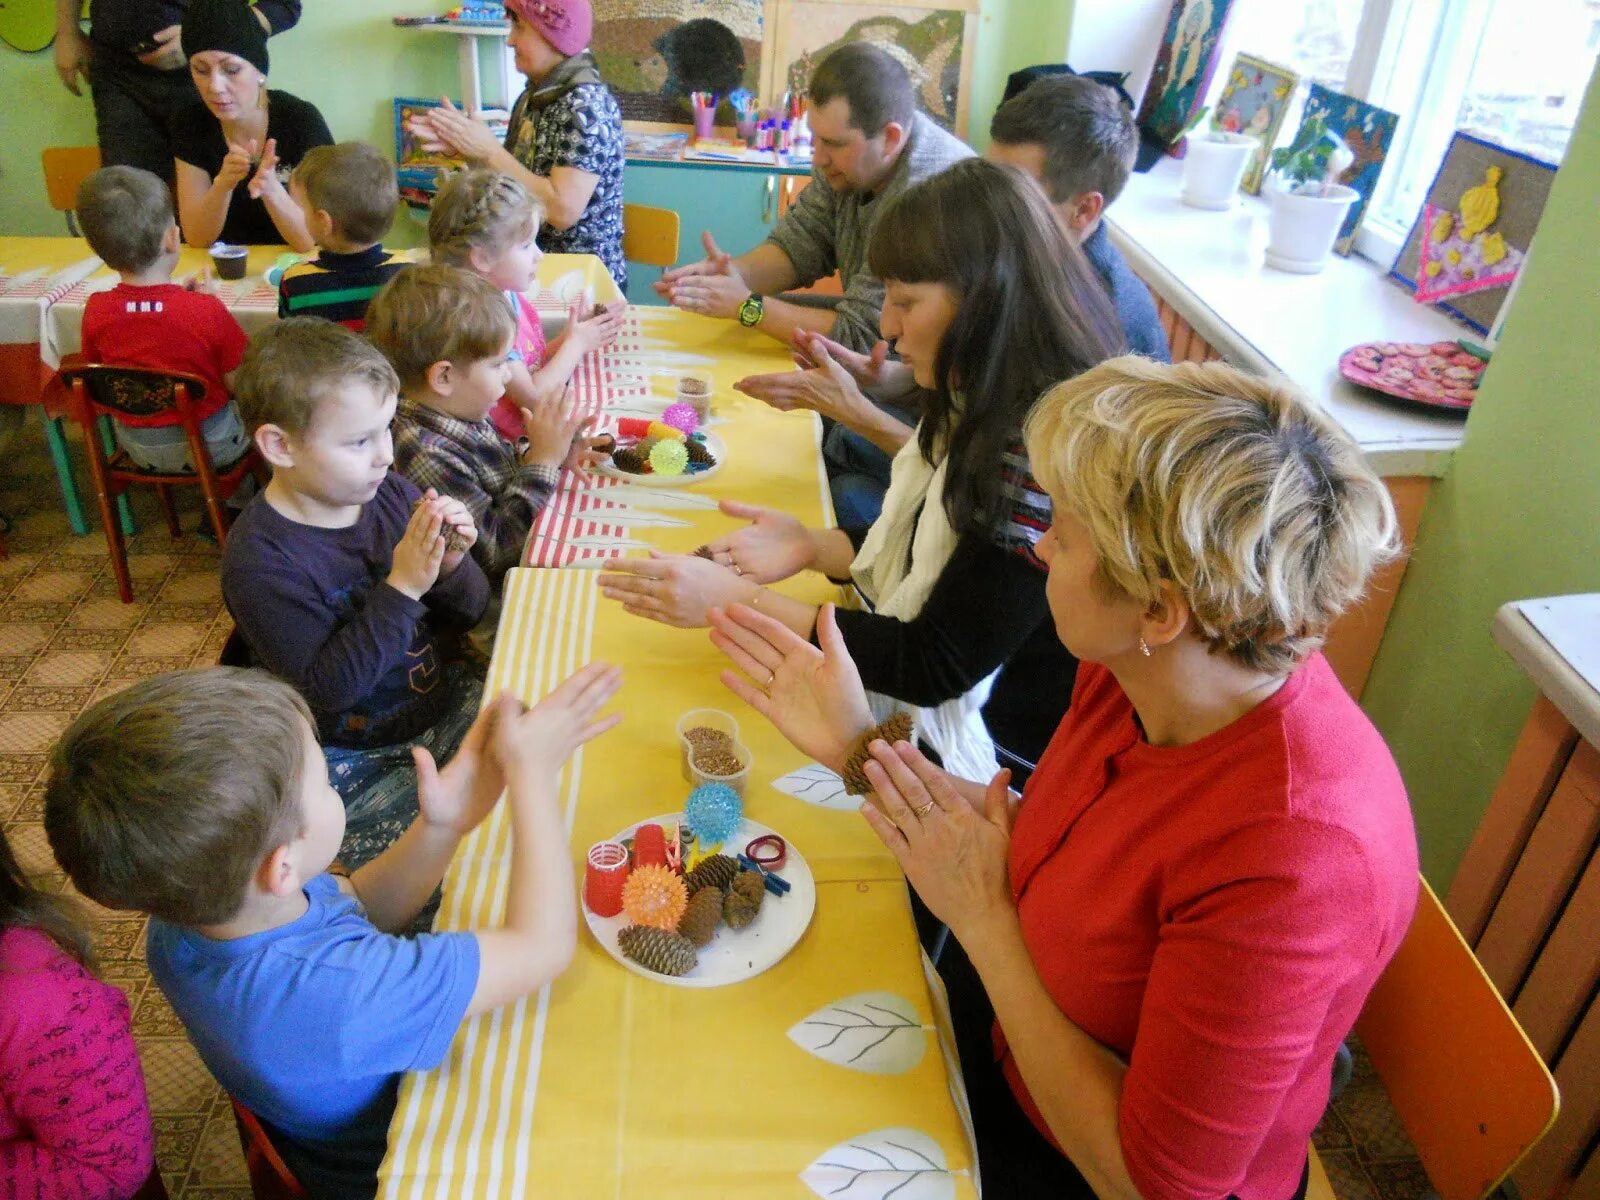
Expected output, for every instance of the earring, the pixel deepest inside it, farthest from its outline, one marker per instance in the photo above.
(1144, 647)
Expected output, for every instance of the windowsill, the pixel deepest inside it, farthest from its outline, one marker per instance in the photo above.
(1209, 267)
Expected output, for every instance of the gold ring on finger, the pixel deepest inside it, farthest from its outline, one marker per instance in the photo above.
(922, 810)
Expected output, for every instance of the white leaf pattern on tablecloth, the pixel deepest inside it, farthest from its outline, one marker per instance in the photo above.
(901, 1163)
(876, 1032)
(815, 784)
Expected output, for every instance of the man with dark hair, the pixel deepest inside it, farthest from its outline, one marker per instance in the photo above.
(135, 68)
(870, 142)
(1078, 139)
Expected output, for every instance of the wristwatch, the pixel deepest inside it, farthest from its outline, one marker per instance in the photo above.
(752, 310)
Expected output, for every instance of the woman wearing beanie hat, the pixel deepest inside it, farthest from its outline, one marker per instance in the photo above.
(565, 140)
(236, 142)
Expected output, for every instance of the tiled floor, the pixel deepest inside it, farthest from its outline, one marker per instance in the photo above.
(66, 640)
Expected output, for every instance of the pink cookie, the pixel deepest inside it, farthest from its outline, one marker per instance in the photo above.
(1444, 347)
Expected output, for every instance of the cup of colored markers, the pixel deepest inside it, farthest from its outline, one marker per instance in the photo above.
(604, 874)
(704, 105)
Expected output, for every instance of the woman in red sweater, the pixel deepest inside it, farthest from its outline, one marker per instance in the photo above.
(1179, 922)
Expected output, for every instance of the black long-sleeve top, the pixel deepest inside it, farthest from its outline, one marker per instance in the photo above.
(121, 24)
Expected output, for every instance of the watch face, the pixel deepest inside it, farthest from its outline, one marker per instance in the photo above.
(750, 312)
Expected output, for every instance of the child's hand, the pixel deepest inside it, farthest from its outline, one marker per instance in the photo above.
(454, 800)
(236, 165)
(600, 328)
(460, 531)
(544, 737)
(551, 426)
(420, 552)
(201, 281)
(582, 454)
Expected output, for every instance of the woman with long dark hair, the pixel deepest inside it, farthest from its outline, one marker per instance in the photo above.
(74, 1120)
(989, 305)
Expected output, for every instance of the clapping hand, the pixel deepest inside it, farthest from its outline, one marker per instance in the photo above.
(447, 129)
(550, 426)
(873, 373)
(826, 388)
(458, 797)
(266, 177)
(545, 736)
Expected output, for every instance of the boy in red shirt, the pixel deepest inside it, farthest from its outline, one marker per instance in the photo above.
(149, 321)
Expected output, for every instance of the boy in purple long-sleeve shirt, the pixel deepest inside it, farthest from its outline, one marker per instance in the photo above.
(342, 577)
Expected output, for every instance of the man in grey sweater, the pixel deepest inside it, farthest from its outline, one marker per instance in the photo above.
(870, 142)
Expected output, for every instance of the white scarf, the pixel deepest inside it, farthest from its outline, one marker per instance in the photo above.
(903, 556)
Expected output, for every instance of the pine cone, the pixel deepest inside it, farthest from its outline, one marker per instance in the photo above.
(659, 950)
(896, 729)
(743, 901)
(628, 458)
(700, 454)
(717, 871)
(700, 920)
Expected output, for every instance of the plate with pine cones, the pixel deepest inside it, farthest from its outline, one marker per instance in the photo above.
(717, 923)
(666, 462)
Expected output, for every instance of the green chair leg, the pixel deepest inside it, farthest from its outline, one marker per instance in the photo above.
(63, 464)
(109, 441)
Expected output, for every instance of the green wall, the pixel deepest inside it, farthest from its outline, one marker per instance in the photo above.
(1517, 516)
(349, 60)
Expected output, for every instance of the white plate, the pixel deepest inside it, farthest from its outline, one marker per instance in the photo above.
(733, 955)
(713, 444)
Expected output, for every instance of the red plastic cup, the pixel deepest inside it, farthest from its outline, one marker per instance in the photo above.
(603, 877)
(650, 846)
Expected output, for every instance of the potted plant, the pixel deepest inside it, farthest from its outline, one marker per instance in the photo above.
(1214, 162)
(1307, 206)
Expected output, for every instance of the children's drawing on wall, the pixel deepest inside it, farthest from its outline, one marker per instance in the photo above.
(1184, 63)
(927, 42)
(654, 53)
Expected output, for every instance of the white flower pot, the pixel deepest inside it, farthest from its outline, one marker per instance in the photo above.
(1213, 165)
(1304, 227)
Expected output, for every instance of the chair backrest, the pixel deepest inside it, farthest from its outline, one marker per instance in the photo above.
(65, 167)
(1467, 1084)
(134, 391)
(270, 1177)
(649, 235)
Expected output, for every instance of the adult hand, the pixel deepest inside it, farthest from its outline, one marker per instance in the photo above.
(813, 695)
(168, 52)
(420, 552)
(266, 180)
(716, 262)
(237, 164)
(599, 327)
(455, 799)
(550, 426)
(448, 128)
(72, 57)
(544, 737)
(873, 372)
(773, 546)
(826, 388)
(711, 295)
(953, 853)
(675, 589)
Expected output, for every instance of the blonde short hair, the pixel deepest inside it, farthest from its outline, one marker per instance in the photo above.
(291, 367)
(435, 313)
(353, 183)
(480, 209)
(1232, 487)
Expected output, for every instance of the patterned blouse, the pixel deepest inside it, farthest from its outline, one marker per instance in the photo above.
(581, 129)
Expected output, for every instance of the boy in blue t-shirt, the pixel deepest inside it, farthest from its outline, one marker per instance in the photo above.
(291, 981)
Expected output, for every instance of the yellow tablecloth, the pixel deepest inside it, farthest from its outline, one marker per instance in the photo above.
(609, 1084)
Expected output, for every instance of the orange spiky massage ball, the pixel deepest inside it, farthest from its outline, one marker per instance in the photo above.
(654, 896)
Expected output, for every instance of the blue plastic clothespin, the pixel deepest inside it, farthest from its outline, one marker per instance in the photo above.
(775, 884)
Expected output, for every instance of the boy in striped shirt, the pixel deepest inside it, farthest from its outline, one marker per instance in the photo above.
(349, 197)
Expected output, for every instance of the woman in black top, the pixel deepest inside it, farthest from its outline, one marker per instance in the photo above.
(989, 305)
(237, 143)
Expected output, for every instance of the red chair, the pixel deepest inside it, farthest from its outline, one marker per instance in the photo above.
(100, 390)
(270, 1177)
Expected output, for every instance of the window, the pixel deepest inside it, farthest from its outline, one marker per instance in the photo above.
(1513, 71)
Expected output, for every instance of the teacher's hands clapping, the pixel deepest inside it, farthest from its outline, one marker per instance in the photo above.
(449, 130)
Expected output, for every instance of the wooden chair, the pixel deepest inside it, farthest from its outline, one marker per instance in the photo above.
(649, 235)
(65, 167)
(1467, 1084)
(270, 1177)
(97, 390)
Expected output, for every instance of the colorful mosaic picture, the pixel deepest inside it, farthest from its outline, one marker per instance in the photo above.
(1184, 63)
(653, 53)
(1368, 131)
(927, 42)
(1253, 103)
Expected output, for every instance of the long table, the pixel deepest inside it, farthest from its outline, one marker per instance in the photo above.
(610, 1084)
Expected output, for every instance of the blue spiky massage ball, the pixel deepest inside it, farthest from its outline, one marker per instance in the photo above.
(713, 811)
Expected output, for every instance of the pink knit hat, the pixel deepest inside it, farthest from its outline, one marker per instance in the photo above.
(566, 24)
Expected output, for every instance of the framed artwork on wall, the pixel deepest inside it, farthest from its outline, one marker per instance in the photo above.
(1472, 236)
(654, 55)
(1253, 103)
(1185, 60)
(1368, 130)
